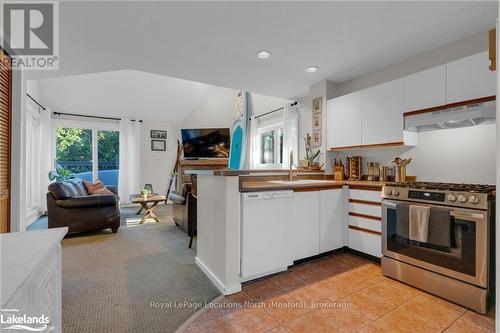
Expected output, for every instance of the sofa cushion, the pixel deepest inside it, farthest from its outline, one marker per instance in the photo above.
(177, 198)
(63, 190)
(102, 191)
(93, 187)
(88, 201)
(78, 184)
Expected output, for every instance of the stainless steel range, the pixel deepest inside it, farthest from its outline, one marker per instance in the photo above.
(453, 254)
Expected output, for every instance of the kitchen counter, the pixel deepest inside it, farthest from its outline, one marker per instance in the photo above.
(273, 172)
(259, 186)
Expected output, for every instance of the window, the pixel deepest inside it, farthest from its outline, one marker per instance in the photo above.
(89, 151)
(270, 143)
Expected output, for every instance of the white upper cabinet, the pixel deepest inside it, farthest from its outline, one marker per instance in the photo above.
(424, 89)
(469, 78)
(344, 121)
(382, 113)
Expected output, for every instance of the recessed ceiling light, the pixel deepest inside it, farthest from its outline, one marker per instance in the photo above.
(263, 54)
(312, 69)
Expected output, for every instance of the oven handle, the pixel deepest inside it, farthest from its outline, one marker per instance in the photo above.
(456, 212)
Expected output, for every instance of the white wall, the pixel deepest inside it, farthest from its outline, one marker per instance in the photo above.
(327, 90)
(156, 166)
(462, 155)
(217, 110)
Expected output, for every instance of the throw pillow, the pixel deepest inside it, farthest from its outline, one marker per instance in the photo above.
(92, 187)
(102, 191)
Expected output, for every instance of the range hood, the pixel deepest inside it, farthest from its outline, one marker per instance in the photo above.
(451, 117)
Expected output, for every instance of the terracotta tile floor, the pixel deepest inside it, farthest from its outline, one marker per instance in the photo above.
(337, 293)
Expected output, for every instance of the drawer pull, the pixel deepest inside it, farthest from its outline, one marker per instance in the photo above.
(376, 218)
(368, 231)
(365, 202)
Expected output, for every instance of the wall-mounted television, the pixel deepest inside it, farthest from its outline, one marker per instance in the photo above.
(205, 143)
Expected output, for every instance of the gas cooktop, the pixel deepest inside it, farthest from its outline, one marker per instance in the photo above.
(450, 194)
(473, 188)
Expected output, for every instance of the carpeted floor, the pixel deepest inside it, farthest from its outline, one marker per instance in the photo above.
(119, 282)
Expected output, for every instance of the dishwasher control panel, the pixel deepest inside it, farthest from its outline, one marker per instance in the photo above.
(267, 195)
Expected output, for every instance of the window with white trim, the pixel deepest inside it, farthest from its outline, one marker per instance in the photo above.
(270, 133)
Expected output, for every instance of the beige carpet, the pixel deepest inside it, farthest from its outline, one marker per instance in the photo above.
(110, 280)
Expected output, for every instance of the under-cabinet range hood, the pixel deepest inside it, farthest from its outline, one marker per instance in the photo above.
(451, 117)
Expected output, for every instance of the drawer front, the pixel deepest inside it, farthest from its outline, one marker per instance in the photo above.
(365, 195)
(365, 242)
(364, 223)
(365, 209)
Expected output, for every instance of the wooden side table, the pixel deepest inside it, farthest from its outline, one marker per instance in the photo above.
(148, 204)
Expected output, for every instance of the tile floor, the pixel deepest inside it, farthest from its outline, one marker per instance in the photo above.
(337, 293)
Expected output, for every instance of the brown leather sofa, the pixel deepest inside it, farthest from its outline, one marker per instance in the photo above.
(184, 209)
(70, 205)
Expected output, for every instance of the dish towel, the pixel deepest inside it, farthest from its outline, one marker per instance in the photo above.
(419, 223)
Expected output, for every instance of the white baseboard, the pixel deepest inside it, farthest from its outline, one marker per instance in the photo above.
(218, 284)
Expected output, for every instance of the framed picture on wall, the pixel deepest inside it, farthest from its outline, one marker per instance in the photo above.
(317, 106)
(316, 123)
(158, 134)
(158, 145)
(316, 139)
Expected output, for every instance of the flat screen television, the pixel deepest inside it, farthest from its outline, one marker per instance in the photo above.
(206, 143)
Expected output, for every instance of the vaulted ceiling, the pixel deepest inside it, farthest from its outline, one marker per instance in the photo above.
(126, 93)
(216, 42)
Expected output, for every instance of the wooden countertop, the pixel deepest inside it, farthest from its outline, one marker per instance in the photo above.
(229, 172)
(260, 186)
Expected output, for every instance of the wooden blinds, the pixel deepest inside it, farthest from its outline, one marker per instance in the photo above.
(5, 138)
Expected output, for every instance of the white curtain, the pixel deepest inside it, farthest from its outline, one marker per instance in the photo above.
(291, 136)
(46, 153)
(130, 151)
(254, 144)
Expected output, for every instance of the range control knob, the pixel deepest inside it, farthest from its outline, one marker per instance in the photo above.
(388, 191)
(462, 198)
(473, 199)
(451, 197)
(395, 192)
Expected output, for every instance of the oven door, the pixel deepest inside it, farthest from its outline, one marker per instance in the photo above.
(467, 257)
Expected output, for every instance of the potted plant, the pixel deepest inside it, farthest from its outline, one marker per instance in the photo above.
(144, 193)
(60, 174)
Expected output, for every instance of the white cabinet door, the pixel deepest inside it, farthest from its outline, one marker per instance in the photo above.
(469, 78)
(332, 220)
(425, 89)
(303, 233)
(382, 116)
(344, 121)
(365, 242)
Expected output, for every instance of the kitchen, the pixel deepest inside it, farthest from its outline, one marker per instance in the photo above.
(267, 222)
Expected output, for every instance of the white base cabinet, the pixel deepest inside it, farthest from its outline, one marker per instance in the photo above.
(30, 268)
(365, 242)
(304, 231)
(364, 223)
(332, 220)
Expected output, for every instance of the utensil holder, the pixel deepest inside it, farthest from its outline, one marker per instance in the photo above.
(400, 175)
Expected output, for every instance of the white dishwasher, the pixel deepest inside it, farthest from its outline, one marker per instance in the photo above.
(264, 242)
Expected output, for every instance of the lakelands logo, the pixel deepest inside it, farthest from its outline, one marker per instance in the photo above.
(30, 33)
(11, 319)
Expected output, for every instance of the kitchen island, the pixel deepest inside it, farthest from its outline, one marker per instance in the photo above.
(254, 224)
